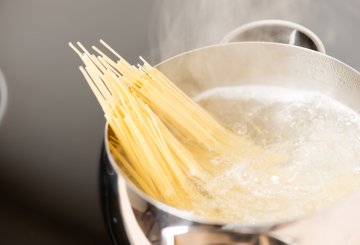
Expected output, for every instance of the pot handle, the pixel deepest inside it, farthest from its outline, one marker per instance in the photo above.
(278, 31)
(204, 235)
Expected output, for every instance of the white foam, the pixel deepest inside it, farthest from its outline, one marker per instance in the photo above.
(318, 135)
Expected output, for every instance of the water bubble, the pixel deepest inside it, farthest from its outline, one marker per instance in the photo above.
(357, 169)
(275, 179)
(353, 117)
(216, 160)
(241, 128)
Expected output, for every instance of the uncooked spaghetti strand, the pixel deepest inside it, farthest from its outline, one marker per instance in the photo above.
(144, 145)
(197, 110)
(128, 70)
(179, 98)
(132, 132)
(159, 164)
(131, 145)
(178, 174)
(126, 165)
(97, 83)
(160, 150)
(169, 110)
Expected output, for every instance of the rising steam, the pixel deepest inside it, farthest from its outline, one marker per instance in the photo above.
(183, 25)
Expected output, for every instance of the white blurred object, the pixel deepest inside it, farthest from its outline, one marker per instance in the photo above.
(3, 96)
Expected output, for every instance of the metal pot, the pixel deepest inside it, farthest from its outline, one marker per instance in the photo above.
(231, 64)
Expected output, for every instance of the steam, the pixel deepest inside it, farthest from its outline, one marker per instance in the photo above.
(183, 25)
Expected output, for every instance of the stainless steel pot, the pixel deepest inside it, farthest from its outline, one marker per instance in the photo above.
(232, 64)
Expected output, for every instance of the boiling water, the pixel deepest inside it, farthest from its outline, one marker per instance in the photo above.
(317, 138)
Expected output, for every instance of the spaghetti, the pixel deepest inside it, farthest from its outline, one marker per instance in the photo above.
(176, 152)
(151, 151)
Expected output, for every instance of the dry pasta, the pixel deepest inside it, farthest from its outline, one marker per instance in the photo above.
(149, 150)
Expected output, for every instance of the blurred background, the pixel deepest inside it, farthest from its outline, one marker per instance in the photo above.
(51, 133)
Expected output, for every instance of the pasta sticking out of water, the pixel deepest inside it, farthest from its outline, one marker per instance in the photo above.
(151, 152)
(175, 151)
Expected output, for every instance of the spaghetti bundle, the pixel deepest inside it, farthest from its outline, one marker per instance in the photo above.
(191, 121)
(176, 152)
(149, 150)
